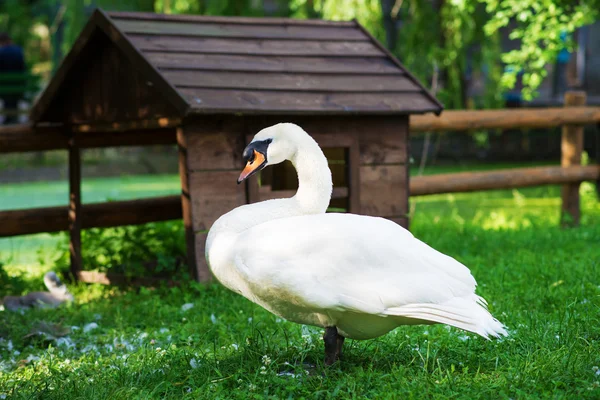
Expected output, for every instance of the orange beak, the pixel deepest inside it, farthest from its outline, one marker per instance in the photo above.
(252, 166)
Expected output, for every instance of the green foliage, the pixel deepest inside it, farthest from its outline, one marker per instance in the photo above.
(367, 12)
(540, 25)
(442, 39)
(155, 249)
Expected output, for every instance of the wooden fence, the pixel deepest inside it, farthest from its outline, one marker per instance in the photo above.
(570, 174)
(572, 117)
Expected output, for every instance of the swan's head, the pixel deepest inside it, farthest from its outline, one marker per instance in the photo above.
(271, 146)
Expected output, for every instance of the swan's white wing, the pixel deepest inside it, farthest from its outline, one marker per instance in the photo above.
(348, 262)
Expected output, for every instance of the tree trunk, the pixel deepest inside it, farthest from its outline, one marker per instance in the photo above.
(389, 24)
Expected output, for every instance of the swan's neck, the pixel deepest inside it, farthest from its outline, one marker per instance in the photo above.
(314, 180)
(313, 195)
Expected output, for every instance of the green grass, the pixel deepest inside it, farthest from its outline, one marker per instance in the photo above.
(543, 282)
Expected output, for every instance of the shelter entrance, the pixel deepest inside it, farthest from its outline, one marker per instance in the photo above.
(281, 181)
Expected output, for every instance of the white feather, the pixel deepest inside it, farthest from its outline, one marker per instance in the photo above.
(364, 275)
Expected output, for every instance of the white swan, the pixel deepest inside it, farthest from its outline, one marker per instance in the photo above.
(356, 276)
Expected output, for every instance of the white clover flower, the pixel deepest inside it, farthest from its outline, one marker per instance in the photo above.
(194, 363)
(89, 327)
(266, 360)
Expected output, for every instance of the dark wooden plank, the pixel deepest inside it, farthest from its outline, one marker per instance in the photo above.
(383, 190)
(145, 125)
(353, 171)
(255, 64)
(383, 141)
(501, 179)
(571, 149)
(97, 215)
(200, 243)
(123, 280)
(289, 82)
(466, 120)
(108, 80)
(47, 97)
(75, 214)
(24, 138)
(137, 59)
(148, 137)
(213, 193)
(325, 140)
(107, 88)
(229, 20)
(212, 100)
(265, 47)
(196, 270)
(215, 145)
(131, 212)
(597, 158)
(265, 193)
(229, 30)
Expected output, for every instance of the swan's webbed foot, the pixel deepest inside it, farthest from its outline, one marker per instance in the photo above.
(333, 345)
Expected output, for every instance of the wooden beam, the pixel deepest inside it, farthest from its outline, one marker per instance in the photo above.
(118, 279)
(501, 179)
(265, 193)
(571, 148)
(124, 126)
(200, 273)
(24, 138)
(97, 215)
(353, 170)
(598, 159)
(75, 215)
(464, 120)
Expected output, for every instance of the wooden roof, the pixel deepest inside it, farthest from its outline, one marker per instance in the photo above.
(203, 64)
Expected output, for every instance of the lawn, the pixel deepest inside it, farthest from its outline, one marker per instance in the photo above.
(200, 341)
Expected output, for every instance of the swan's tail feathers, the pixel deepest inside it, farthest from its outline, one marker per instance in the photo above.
(467, 313)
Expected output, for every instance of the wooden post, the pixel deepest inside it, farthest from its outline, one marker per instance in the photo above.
(75, 208)
(353, 160)
(598, 159)
(186, 208)
(571, 148)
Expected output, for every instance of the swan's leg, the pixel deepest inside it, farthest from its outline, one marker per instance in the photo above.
(340, 345)
(333, 345)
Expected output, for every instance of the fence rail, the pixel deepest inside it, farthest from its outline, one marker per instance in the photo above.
(465, 120)
(571, 173)
(22, 138)
(97, 215)
(501, 179)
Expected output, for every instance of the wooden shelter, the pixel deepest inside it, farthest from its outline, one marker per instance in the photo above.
(213, 82)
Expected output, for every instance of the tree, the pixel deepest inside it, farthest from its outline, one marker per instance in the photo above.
(542, 26)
